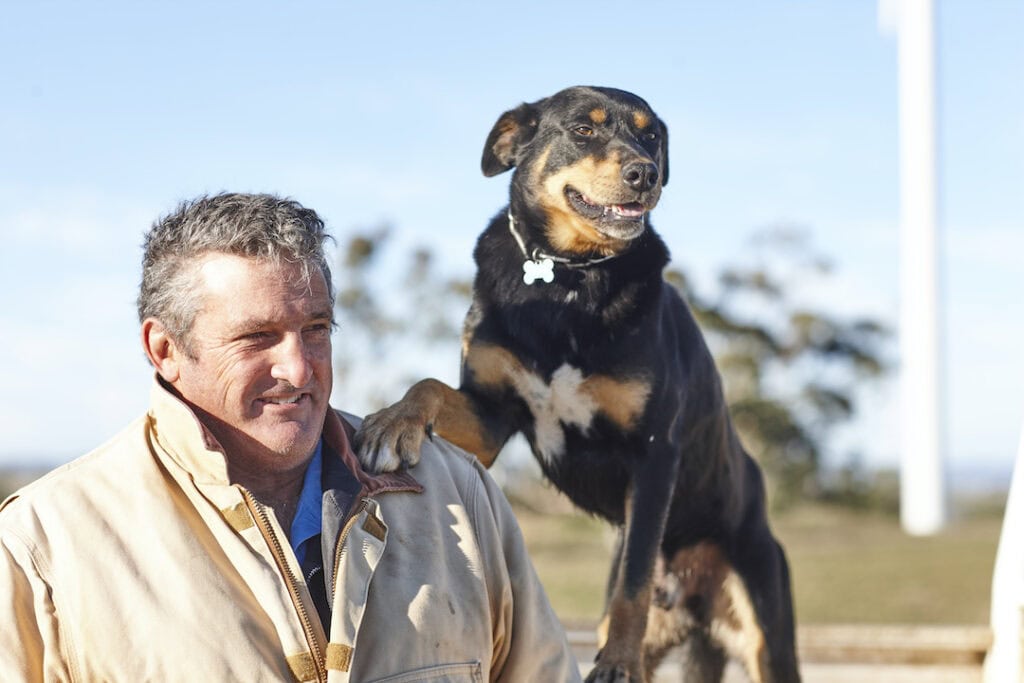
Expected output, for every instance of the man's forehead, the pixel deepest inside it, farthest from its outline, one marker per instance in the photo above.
(229, 272)
(248, 285)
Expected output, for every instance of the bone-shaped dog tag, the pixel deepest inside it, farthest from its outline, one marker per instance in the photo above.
(543, 269)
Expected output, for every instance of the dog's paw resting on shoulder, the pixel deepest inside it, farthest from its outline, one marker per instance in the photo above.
(390, 439)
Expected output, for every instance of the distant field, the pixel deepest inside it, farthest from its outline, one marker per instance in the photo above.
(847, 567)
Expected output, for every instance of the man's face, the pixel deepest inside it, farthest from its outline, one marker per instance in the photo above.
(261, 379)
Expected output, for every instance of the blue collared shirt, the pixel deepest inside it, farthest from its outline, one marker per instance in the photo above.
(308, 521)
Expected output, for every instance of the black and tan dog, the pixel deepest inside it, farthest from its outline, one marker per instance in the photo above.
(574, 339)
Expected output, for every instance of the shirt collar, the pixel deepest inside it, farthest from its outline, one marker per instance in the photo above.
(307, 522)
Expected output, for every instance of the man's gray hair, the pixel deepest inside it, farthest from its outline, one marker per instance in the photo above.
(259, 226)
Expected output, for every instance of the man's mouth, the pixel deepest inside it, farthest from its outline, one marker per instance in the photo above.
(588, 208)
(282, 400)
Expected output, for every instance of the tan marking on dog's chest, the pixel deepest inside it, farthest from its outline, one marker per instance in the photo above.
(491, 364)
(567, 399)
(621, 400)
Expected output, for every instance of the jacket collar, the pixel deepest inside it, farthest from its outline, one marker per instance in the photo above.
(193, 447)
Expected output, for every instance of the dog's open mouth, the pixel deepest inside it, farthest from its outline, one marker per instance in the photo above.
(621, 221)
(586, 207)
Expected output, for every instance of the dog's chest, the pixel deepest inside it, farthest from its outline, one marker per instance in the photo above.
(568, 398)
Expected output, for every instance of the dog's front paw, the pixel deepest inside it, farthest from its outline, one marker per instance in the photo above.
(608, 668)
(613, 674)
(391, 438)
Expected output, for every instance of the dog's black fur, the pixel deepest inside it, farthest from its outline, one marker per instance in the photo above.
(606, 373)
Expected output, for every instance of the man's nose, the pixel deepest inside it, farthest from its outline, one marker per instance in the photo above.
(292, 362)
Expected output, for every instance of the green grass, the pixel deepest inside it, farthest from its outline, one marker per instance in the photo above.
(861, 568)
(571, 553)
(847, 566)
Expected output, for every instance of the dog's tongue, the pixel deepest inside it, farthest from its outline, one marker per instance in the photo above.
(631, 210)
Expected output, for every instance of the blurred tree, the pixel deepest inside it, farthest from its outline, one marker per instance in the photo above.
(399, 319)
(789, 370)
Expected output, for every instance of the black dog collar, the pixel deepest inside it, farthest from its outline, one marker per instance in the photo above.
(540, 265)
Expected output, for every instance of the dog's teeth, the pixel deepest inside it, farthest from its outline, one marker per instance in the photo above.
(624, 210)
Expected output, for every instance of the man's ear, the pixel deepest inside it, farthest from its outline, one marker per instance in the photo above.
(163, 352)
(512, 131)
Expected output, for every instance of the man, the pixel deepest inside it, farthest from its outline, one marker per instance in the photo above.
(230, 534)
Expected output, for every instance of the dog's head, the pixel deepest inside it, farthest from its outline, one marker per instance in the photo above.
(590, 164)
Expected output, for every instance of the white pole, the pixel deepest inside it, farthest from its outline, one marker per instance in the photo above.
(1004, 659)
(922, 480)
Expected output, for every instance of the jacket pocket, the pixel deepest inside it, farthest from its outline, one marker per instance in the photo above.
(470, 672)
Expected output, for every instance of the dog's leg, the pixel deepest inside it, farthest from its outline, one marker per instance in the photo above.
(621, 657)
(392, 437)
(609, 589)
(761, 563)
(668, 624)
(702, 660)
(782, 644)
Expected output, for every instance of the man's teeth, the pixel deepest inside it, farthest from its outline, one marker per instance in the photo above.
(293, 399)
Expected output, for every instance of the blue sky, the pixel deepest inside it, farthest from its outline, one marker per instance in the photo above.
(778, 112)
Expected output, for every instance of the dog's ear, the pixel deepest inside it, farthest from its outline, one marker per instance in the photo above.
(514, 129)
(664, 153)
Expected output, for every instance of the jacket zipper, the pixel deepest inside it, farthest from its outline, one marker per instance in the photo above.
(358, 510)
(260, 513)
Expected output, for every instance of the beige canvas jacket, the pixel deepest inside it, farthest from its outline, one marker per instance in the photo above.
(140, 562)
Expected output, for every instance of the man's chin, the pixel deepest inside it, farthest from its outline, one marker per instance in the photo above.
(292, 447)
(282, 445)
(284, 429)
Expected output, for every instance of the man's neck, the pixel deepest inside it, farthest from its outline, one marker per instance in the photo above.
(278, 491)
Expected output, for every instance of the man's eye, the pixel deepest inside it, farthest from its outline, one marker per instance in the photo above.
(319, 329)
(583, 130)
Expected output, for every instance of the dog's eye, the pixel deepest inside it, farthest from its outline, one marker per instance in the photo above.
(583, 130)
(650, 137)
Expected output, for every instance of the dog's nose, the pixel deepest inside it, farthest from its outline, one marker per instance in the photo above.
(640, 175)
